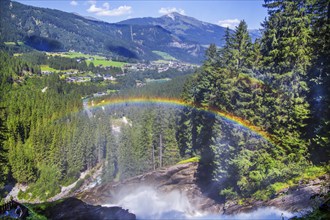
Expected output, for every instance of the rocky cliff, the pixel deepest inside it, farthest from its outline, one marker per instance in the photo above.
(74, 209)
(182, 178)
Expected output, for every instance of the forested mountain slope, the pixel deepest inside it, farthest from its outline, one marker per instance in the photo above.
(185, 27)
(54, 30)
(189, 28)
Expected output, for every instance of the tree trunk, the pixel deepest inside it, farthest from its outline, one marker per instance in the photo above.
(153, 158)
(160, 151)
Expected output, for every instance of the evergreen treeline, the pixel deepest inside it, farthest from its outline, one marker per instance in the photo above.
(144, 140)
(279, 83)
(47, 137)
(45, 141)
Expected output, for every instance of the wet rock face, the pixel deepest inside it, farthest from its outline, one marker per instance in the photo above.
(75, 209)
(182, 178)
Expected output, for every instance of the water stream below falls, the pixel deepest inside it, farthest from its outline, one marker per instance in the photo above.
(147, 203)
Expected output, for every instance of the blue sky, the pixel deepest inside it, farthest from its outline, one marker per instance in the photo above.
(221, 12)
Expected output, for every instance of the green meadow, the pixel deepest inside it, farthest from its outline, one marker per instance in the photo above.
(164, 55)
(98, 62)
(95, 59)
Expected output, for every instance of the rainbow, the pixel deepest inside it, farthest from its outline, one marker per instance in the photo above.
(177, 102)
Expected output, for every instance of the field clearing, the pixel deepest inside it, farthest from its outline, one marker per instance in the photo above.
(11, 43)
(164, 55)
(75, 55)
(105, 63)
(95, 59)
(47, 68)
(157, 80)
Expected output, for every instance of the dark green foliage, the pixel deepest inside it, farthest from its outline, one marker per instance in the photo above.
(265, 83)
(43, 143)
(4, 169)
(43, 44)
(122, 51)
(279, 84)
(320, 82)
(47, 139)
(145, 142)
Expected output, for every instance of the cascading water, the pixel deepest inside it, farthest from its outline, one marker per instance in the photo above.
(148, 203)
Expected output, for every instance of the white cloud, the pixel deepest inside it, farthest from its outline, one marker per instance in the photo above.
(74, 3)
(106, 5)
(231, 23)
(121, 10)
(106, 11)
(94, 9)
(166, 11)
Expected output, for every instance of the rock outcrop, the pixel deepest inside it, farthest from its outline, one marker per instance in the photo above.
(182, 178)
(75, 209)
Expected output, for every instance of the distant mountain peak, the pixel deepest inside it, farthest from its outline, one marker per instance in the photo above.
(173, 15)
(185, 28)
(170, 15)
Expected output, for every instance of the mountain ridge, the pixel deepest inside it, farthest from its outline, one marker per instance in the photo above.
(180, 36)
(44, 29)
(185, 27)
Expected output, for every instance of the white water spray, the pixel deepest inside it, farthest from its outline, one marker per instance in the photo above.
(148, 203)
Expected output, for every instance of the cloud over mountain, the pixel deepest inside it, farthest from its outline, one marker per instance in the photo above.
(74, 3)
(165, 11)
(231, 23)
(105, 10)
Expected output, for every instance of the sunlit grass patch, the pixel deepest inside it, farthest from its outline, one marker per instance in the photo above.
(313, 172)
(278, 186)
(98, 62)
(11, 43)
(308, 174)
(47, 68)
(164, 55)
(190, 160)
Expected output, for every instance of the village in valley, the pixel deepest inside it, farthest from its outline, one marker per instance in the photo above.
(121, 68)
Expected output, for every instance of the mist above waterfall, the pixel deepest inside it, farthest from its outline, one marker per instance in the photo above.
(148, 203)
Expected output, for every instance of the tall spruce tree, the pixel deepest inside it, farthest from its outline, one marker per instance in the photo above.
(319, 76)
(242, 46)
(286, 52)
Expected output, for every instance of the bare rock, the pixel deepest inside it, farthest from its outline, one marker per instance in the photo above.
(182, 178)
(75, 209)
